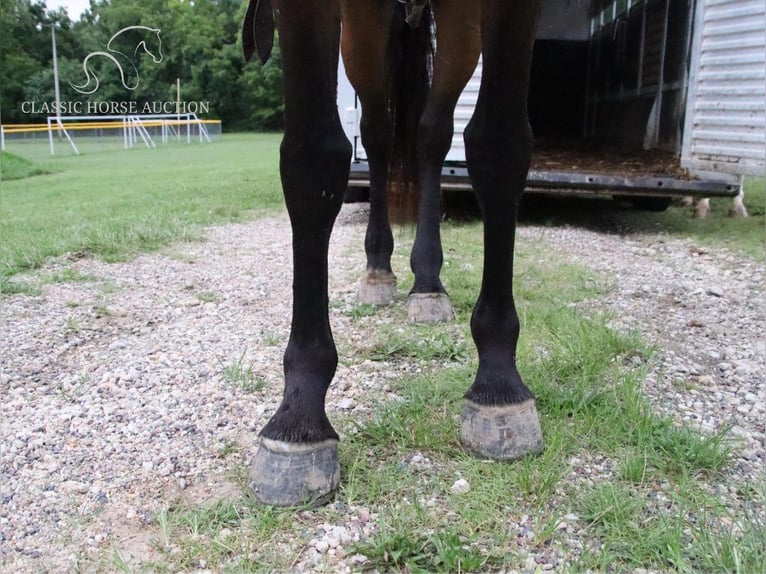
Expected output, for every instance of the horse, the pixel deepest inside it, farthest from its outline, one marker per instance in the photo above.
(408, 61)
(91, 80)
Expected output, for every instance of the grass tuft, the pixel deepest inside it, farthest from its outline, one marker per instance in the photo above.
(241, 374)
(397, 548)
(16, 287)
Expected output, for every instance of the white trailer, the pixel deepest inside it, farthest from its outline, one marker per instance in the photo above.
(682, 81)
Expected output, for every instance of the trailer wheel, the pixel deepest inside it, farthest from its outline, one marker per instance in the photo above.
(652, 203)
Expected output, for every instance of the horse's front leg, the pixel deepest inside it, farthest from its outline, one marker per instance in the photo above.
(500, 419)
(457, 51)
(297, 460)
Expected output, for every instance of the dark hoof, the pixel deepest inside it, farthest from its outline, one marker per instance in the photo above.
(287, 474)
(377, 288)
(502, 432)
(429, 308)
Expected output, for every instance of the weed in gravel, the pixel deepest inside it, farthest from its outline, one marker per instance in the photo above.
(614, 515)
(418, 343)
(687, 450)
(72, 325)
(108, 287)
(634, 466)
(8, 287)
(228, 447)
(241, 373)
(362, 310)
(101, 311)
(670, 526)
(71, 393)
(230, 535)
(371, 478)
(208, 297)
(733, 543)
(271, 339)
(69, 275)
(401, 544)
(424, 419)
(120, 563)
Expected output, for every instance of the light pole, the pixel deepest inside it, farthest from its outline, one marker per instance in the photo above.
(56, 73)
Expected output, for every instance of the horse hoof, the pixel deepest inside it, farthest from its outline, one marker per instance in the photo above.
(505, 432)
(288, 474)
(429, 308)
(377, 288)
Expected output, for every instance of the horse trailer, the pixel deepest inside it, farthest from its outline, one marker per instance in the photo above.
(650, 99)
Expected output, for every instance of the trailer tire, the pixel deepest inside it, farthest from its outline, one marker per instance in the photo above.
(652, 203)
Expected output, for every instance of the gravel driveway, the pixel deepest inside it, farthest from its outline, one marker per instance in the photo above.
(115, 403)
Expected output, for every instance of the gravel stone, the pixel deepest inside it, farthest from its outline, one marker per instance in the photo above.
(461, 486)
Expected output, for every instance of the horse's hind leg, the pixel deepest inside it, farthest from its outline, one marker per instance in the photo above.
(364, 48)
(499, 416)
(457, 51)
(297, 460)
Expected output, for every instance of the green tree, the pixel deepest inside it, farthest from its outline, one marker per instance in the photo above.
(201, 46)
(25, 49)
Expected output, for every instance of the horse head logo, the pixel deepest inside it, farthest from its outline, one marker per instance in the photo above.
(150, 42)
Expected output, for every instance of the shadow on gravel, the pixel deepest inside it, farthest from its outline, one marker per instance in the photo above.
(602, 215)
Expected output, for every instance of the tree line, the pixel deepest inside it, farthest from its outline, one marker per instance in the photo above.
(201, 46)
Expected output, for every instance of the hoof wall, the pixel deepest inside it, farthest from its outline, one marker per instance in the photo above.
(429, 308)
(286, 474)
(377, 288)
(504, 432)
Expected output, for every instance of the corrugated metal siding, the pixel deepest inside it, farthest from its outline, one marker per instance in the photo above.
(463, 112)
(726, 111)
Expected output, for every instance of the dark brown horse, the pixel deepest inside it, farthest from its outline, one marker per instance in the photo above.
(385, 46)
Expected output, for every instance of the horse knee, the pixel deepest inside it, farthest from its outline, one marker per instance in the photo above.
(314, 166)
(319, 146)
(498, 155)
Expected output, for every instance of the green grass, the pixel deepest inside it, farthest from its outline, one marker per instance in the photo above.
(14, 167)
(234, 536)
(740, 235)
(445, 551)
(114, 205)
(17, 287)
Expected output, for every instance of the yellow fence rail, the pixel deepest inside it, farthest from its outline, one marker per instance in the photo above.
(133, 129)
(32, 128)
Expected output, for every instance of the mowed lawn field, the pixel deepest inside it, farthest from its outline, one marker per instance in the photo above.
(116, 204)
